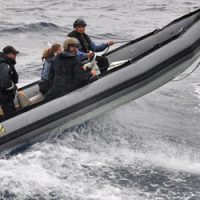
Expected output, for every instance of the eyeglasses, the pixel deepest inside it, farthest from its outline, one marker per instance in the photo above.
(74, 45)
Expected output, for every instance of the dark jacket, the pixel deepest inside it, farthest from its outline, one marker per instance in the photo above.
(86, 44)
(66, 74)
(8, 77)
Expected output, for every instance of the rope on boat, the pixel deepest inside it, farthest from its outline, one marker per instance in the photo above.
(107, 49)
(122, 41)
(118, 41)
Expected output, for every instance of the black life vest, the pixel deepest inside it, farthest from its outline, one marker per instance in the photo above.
(84, 39)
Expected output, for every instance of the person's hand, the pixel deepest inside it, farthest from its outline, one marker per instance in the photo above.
(16, 87)
(85, 66)
(90, 55)
(110, 43)
(93, 72)
(8, 85)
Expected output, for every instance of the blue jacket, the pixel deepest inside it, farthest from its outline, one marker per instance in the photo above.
(86, 44)
(46, 68)
(94, 47)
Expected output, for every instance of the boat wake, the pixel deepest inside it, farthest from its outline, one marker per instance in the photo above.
(101, 159)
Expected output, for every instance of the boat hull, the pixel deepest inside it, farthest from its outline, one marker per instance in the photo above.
(146, 70)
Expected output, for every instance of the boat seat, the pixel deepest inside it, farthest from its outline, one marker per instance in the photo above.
(22, 99)
(37, 98)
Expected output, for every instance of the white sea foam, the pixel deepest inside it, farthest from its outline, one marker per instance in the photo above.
(89, 165)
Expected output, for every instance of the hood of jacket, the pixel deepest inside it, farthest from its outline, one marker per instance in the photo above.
(67, 54)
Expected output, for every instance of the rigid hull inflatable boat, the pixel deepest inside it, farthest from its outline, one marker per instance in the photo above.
(137, 68)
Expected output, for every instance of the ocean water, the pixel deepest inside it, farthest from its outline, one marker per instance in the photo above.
(148, 149)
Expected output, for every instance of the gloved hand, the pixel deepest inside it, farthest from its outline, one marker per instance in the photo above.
(13, 87)
(8, 85)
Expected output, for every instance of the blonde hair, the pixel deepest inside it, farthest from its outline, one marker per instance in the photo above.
(50, 52)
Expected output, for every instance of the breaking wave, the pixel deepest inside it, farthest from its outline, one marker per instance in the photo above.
(33, 27)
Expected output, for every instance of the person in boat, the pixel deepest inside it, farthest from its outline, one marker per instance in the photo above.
(67, 73)
(47, 59)
(8, 80)
(88, 47)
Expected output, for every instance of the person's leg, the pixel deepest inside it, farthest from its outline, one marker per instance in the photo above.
(44, 86)
(8, 108)
(102, 63)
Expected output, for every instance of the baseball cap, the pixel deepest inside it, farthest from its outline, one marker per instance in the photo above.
(10, 49)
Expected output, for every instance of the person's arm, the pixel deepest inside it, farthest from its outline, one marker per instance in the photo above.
(98, 47)
(14, 74)
(51, 74)
(46, 69)
(82, 55)
(80, 73)
(5, 82)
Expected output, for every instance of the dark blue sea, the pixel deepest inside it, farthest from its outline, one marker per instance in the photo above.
(148, 149)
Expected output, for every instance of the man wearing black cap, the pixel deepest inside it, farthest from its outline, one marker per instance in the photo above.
(8, 79)
(87, 46)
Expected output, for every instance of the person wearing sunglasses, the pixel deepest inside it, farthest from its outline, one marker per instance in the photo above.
(67, 73)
